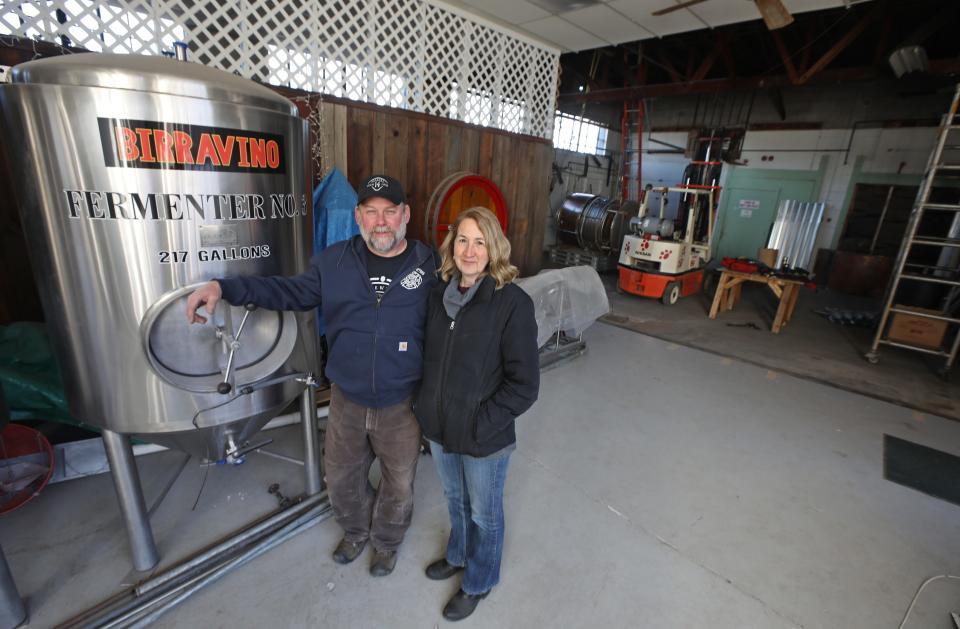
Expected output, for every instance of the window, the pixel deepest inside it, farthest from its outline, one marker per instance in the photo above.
(573, 133)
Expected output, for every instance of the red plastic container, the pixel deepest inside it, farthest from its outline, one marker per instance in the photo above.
(16, 443)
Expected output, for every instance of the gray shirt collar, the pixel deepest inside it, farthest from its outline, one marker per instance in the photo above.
(453, 300)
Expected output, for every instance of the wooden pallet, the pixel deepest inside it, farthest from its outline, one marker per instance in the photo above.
(571, 256)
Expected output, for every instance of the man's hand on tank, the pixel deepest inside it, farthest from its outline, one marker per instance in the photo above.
(207, 295)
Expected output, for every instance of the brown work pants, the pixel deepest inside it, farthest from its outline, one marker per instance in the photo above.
(356, 435)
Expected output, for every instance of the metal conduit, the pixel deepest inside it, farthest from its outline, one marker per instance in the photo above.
(156, 605)
(265, 526)
(295, 528)
(183, 580)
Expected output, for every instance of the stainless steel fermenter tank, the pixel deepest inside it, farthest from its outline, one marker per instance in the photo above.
(139, 178)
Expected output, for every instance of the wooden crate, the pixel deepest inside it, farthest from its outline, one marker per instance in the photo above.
(919, 331)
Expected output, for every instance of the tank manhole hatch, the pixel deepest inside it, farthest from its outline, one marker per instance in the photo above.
(236, 345)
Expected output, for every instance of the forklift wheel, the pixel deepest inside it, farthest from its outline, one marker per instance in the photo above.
(671, 294)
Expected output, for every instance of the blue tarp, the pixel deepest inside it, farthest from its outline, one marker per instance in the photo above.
(334, 202)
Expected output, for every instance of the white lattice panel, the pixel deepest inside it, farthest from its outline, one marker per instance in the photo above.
(401, 53)
(446, 36)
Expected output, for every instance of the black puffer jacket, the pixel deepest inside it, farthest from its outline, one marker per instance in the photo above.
(480, 371)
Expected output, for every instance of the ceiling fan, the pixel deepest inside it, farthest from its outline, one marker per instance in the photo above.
(773, 12)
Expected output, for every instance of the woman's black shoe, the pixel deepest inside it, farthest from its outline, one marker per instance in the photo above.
(440, 570)
(462, 605)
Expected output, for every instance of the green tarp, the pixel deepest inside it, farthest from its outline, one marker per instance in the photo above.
(29, 374)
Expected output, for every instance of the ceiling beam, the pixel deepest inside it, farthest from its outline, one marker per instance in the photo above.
(923, 32)
(708, 61)
(838, 47)
(941, 67)
(642, 70)
(691, 60)
(727, 53)
(785, 57)
(883, 39)
(666, 65)
(804, 61)
(583, 78)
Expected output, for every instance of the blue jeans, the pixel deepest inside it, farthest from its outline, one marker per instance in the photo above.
(474, 491)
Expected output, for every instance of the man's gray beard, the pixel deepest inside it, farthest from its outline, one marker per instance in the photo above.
(398, 237)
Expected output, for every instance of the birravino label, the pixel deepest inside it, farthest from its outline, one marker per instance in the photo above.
(175, 146)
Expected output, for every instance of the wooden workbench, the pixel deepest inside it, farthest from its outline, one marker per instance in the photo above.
(731, 284)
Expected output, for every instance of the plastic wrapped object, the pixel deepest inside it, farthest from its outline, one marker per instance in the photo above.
(566, 300)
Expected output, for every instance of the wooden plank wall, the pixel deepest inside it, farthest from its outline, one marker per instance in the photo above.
(421, 151)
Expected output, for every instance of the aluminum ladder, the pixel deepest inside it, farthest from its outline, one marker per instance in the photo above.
(948, 138)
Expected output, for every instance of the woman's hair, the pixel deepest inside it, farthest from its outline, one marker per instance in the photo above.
(498, 247)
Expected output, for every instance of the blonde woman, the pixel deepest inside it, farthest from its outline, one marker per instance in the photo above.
(480, 372)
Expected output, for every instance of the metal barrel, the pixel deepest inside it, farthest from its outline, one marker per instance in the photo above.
(593, 222)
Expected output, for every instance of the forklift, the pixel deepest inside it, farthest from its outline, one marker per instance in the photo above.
(665, 258)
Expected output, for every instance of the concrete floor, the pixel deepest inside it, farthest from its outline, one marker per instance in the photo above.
(654, 486)
(809, 347)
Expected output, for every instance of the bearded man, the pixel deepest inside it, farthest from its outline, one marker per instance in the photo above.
(373, 289)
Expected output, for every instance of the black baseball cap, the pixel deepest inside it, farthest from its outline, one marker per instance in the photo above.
(383, 186)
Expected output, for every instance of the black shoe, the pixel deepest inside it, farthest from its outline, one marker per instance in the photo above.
(383, 562)
(346, 551)
(440, 570)
(462, 605)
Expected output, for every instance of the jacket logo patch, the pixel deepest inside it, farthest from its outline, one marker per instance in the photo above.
(403, 346)
(412, 280)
